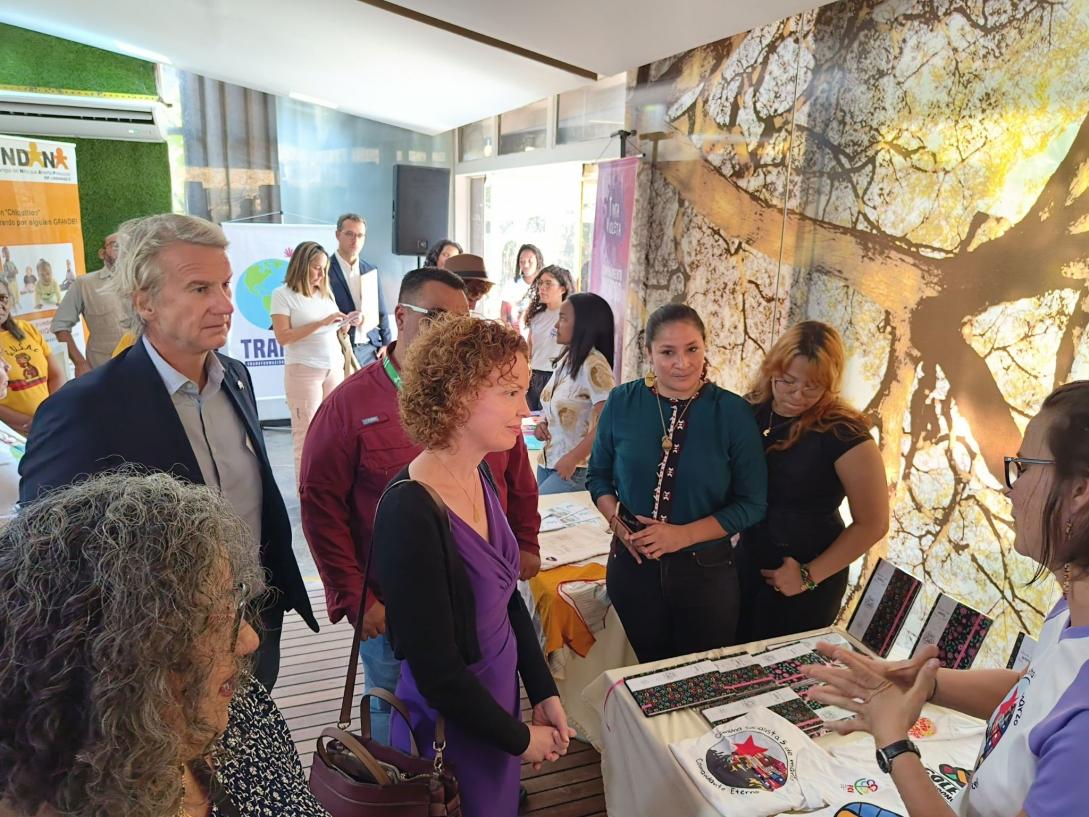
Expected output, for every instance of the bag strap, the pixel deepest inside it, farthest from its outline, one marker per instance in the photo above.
(349, 742)
(353, 659)
(396, 704)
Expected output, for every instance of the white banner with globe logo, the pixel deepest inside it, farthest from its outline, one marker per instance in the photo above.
(259, 255)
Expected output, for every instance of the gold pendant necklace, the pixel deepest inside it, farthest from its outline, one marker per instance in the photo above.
(470, 497)
(667, 436)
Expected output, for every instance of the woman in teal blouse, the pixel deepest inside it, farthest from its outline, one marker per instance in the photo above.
(684, 456)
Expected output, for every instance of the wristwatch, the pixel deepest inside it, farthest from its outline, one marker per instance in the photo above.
(893, 750)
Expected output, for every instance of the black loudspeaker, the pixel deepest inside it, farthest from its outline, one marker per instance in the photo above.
(421, 208)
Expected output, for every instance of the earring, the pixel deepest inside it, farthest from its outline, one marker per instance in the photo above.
(703, 375)
(1069, 528)
(1066, 581)
(650, 379)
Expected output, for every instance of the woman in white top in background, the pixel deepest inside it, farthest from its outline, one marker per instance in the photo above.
(574, 397)
(1031, 763)
(306, 320)
(550, 289)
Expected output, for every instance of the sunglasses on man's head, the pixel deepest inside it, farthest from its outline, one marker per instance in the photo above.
(428, 314)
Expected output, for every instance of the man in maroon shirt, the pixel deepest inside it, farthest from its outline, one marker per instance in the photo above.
(354, 447)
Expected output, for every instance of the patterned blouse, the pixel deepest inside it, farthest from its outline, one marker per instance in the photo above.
(261, 772)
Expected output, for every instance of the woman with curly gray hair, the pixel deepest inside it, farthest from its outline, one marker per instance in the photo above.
(124, 656)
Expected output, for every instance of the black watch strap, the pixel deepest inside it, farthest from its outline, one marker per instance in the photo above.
(886, 755)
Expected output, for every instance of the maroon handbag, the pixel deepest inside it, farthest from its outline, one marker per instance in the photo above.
(356, 776)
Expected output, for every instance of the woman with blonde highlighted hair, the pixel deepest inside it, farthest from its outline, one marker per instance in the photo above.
(306, 320)
(793, 565)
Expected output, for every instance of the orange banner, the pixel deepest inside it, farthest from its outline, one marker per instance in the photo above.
(41, 238)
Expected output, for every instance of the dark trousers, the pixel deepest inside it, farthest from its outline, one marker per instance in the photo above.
(769, 614)
(538, 379)
(682, 603)
(267, 658)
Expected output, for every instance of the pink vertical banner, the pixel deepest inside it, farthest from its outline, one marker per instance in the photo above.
(612, 242)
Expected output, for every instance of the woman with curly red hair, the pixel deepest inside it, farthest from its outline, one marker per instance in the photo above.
(447, 563)
(793, 565)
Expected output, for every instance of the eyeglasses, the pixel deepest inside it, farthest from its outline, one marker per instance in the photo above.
(547, 283)
(352, 235)
(239, 613)
(808, 390)
(428, 314)
(1015, 467)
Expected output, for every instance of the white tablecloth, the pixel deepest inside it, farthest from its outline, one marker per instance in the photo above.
(572, 671)
(640, 773)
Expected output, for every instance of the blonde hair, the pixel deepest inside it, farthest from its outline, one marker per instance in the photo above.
(822, 347)
(297, 278)
(141, 240)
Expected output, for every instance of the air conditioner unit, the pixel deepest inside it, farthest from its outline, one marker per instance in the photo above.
(85, 117)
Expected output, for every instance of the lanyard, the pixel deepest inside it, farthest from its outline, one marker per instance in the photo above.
(392, 373)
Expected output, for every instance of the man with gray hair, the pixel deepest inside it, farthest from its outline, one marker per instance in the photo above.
(172, 403)
(94, 298)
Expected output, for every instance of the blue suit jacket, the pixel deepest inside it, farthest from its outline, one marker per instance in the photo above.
(121, 412)
(378, 336)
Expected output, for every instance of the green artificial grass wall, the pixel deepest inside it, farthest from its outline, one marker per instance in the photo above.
(118, 181)
(39, 62)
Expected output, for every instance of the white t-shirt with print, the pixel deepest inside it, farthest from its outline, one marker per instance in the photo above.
(320, 349)
(748, 767)
(948, 743)
(542, 336)
(1034, 747)
(568, 403)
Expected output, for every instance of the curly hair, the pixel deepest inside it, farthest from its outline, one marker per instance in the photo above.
(432, 259)
(107, 587)
(447, 365)
(562, 277)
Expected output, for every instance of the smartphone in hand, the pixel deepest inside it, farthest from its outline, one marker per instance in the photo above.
(627, 518)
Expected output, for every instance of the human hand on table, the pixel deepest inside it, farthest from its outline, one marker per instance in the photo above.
(659, 538)
(883, 707)
(529, 565)
(785, 579)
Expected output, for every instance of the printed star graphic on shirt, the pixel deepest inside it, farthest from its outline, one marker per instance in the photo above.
(748, 748)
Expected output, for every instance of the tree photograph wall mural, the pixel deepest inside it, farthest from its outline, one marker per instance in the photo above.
(916, 174)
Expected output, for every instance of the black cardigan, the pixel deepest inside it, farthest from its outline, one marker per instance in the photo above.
(431, 617)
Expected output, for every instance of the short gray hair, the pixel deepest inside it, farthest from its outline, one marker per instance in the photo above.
(140, 240)
(350, 217)
(106, 589)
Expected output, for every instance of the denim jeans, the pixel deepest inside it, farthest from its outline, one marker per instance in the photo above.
(380, 669)
(365, 353)
(550, 482)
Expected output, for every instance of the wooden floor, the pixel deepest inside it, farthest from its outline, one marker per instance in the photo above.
(308, 692)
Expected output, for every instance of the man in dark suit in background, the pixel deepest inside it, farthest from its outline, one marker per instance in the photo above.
(172, 403)
(357, 291)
